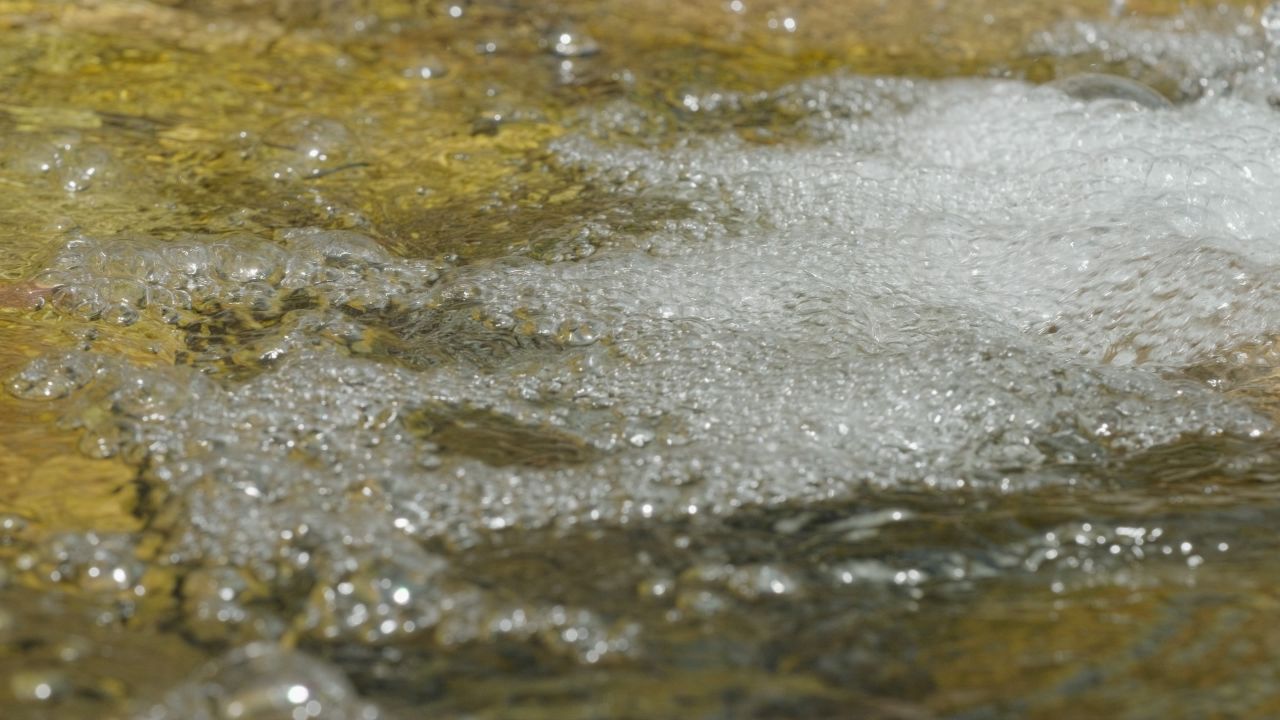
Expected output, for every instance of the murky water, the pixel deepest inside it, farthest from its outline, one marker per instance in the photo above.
(635, 360)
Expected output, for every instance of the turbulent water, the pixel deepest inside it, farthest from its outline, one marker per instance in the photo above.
(937, 296)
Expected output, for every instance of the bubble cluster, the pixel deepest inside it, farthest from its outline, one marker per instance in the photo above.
(118, 280)
(261, 681)
(708, 588)
(309, 147)
(99, 564)
(1092, 553)
(64, 162)
(1072, 556)
(223, 603)
(1208, 53)
(1271, 24)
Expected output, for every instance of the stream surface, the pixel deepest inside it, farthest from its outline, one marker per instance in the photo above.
(514, 360)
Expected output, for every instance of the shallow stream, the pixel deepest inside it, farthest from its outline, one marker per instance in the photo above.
(639, 359)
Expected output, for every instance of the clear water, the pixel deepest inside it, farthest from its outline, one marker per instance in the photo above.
(866, 394)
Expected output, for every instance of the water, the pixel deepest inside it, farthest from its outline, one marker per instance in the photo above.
(552, 378)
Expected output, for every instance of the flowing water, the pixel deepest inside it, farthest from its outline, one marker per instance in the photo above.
(506, 359)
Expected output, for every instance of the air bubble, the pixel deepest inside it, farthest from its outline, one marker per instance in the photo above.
(100, 564)
(1271, 24)
(427, 69)
(753, 582)
(379, 597)
(309, 147)
(67, 163)
(261, 681)
(54, 376)
(39, 686)
(12, 526)
(570, 42)
(1096, 86)
(783, 21)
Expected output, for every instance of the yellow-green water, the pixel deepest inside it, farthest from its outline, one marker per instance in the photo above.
(430, 128)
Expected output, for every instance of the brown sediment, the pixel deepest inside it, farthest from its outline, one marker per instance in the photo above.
(24, 295)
